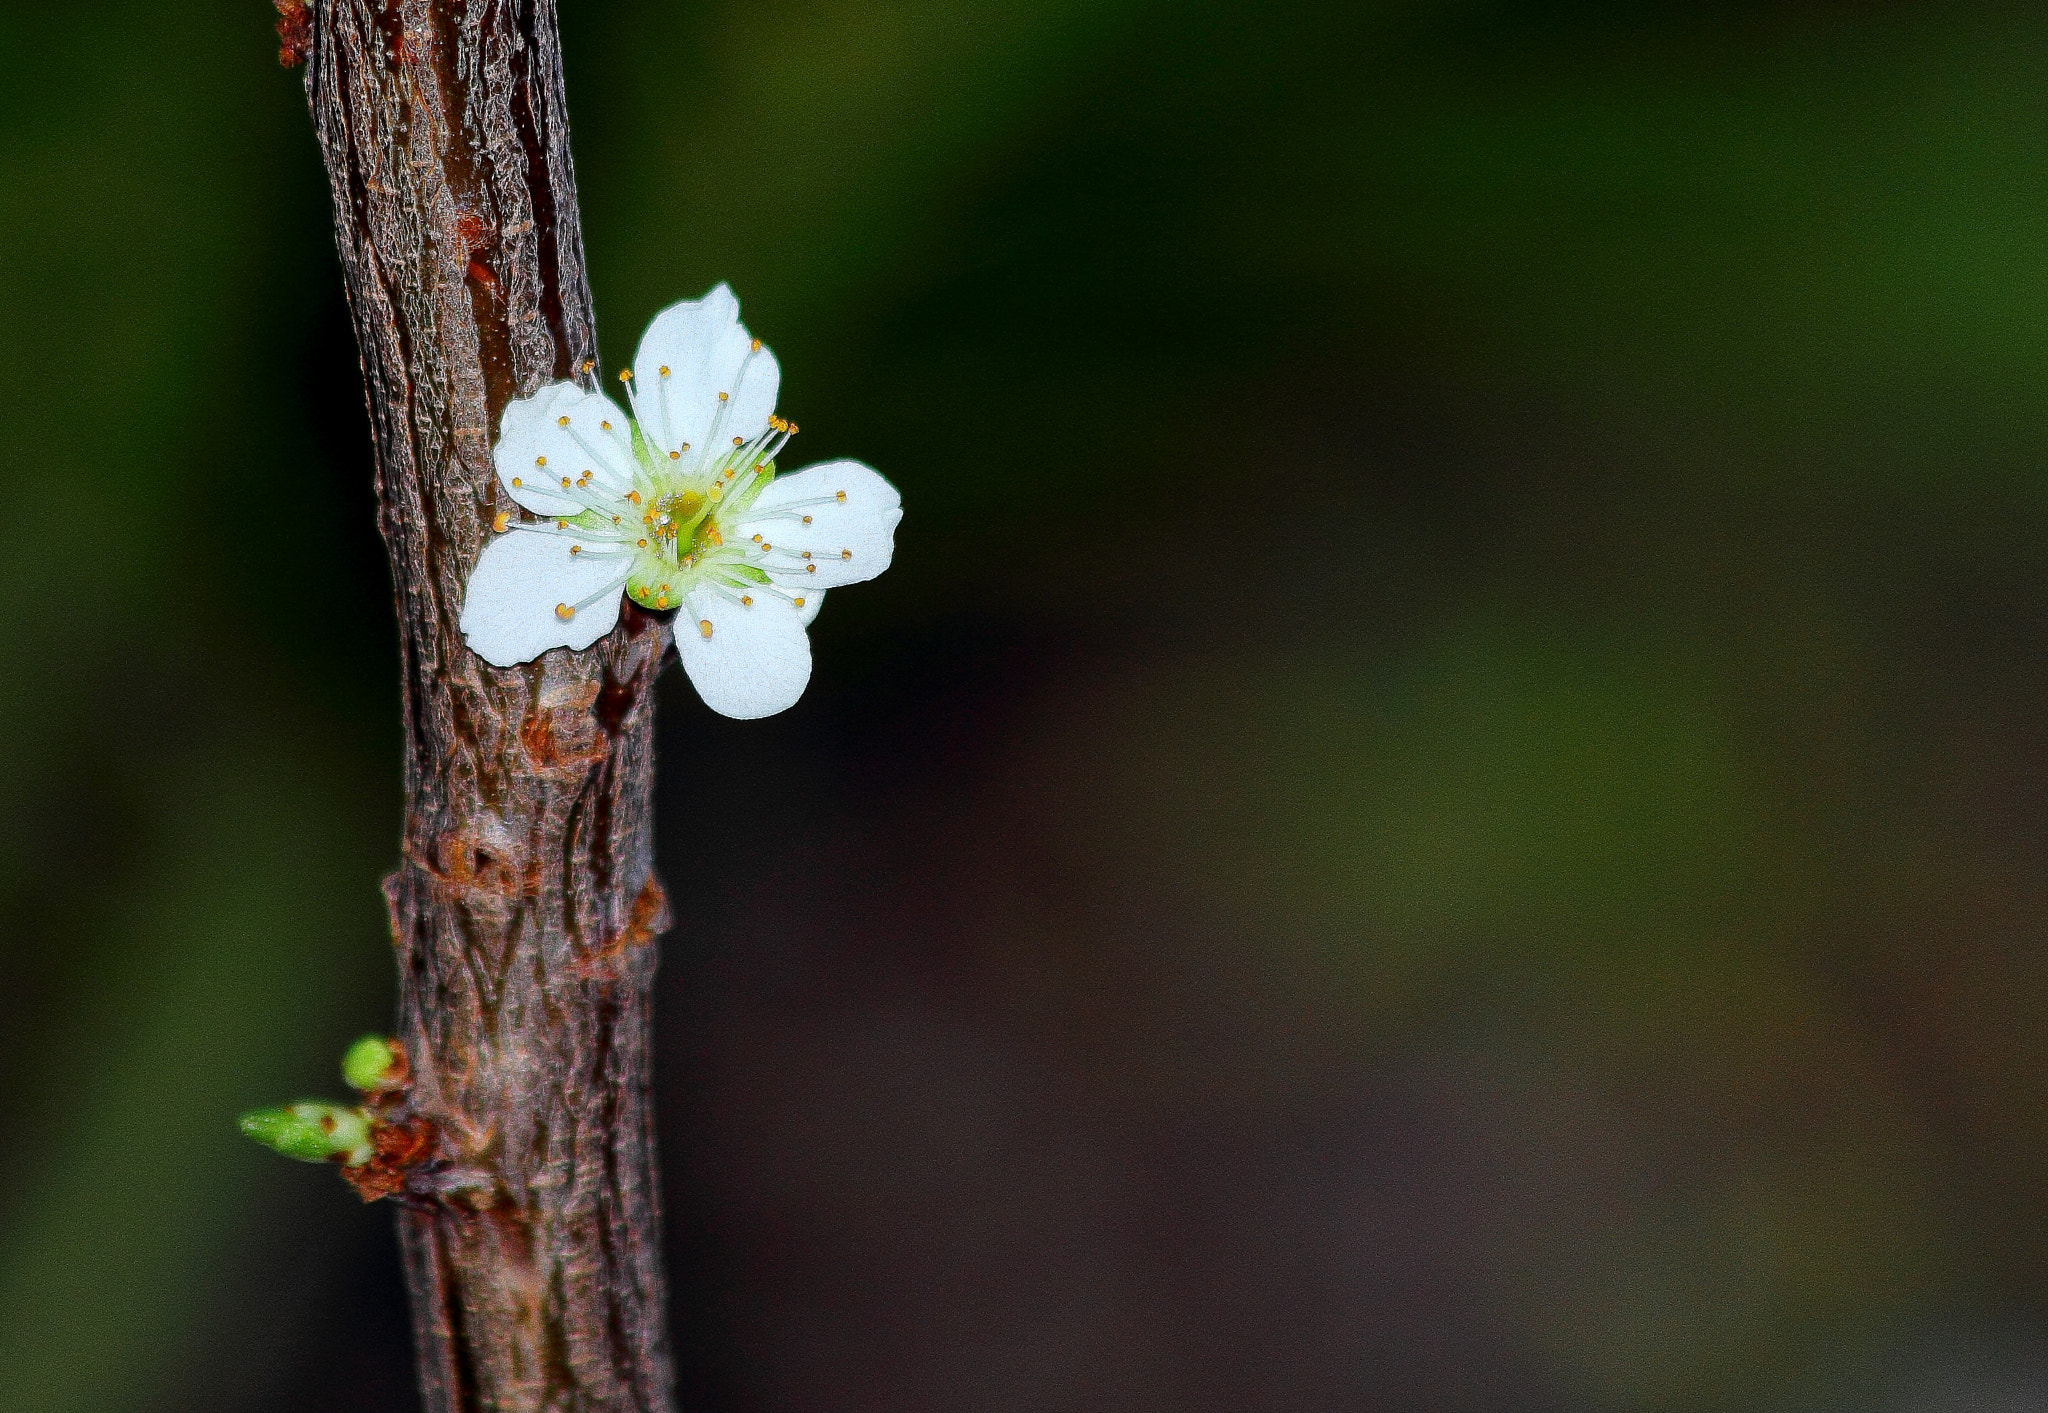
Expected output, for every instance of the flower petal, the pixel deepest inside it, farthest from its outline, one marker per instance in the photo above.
(808, 602)
(536, 448)
(510, 609)
(707, 351)
(850, 534)
(746, 660)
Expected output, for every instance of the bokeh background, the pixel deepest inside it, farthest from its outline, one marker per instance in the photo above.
(1443, 809)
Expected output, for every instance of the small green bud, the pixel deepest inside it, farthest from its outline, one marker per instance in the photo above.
(313, 1132)
(371, 1064)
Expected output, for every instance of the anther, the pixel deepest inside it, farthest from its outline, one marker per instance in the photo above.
(842, 497)
(643, 544)
(606, 426)
(737, 441)
(625, 375)
(516, 483)
(565, 483)
(810, 569)
(799, 601)
(747, 600)
(846, 554)
(500, 521)
(575, 549)
(562, 421)
(589, 364)
(664, 370)
(540, 461)
(564, 612)
(757, 345)
(675, 456)
(807, 520)
(633, 496)
(704, 627)
(723, 396)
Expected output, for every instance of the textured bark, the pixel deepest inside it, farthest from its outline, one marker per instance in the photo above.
(526, 902)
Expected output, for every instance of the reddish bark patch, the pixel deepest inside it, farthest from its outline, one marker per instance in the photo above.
(294, 32)
(649, 918)
(400, 1147)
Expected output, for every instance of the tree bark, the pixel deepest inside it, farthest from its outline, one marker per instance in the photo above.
(526, 903)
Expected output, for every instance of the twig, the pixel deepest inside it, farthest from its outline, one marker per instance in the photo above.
(526, 902)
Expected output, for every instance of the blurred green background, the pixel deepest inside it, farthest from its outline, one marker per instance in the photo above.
(1443, 807)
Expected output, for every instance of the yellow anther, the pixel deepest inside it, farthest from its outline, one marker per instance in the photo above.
(575, 549)
(675, 456)
(562, 421)
(588, 364)
(561, 524)
(686, 446)
(625, 375)
(748, 601)
(764, 544)
(565, 483)
(810, 569)
(807, 554)
(723, 396)
(807, 520)
(799, 601)
(643, 544)
(564, 612)
(846, 554)
(517, 483)
(757, 345)
(738, 441)
(704, 627)
(500, 521)
(842, 497)
(540, 461)
(605, 425)
(664, 370)
(661, 599)
(757, 539)
(633, 496)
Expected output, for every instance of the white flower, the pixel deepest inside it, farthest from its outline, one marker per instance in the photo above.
(679, 507)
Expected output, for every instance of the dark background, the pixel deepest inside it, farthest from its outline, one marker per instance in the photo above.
(1443, 807)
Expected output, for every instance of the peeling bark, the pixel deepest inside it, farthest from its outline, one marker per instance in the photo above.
(526, 904)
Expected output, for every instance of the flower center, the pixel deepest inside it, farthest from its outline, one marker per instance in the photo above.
(672, 513)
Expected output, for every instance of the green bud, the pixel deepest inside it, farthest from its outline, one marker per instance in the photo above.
(370, 1065)
(312, 1132)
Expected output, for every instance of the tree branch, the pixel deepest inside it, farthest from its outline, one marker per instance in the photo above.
(526, 902)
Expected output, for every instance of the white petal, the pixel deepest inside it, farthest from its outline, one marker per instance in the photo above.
(536, 449)
(707, 351)
(510, 609)
(849, 539)
(808, 604)
(746, 660)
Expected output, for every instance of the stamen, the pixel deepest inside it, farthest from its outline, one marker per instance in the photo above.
(500, 520)
(704, 627)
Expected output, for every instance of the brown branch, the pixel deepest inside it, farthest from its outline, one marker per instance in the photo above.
(526, 902)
